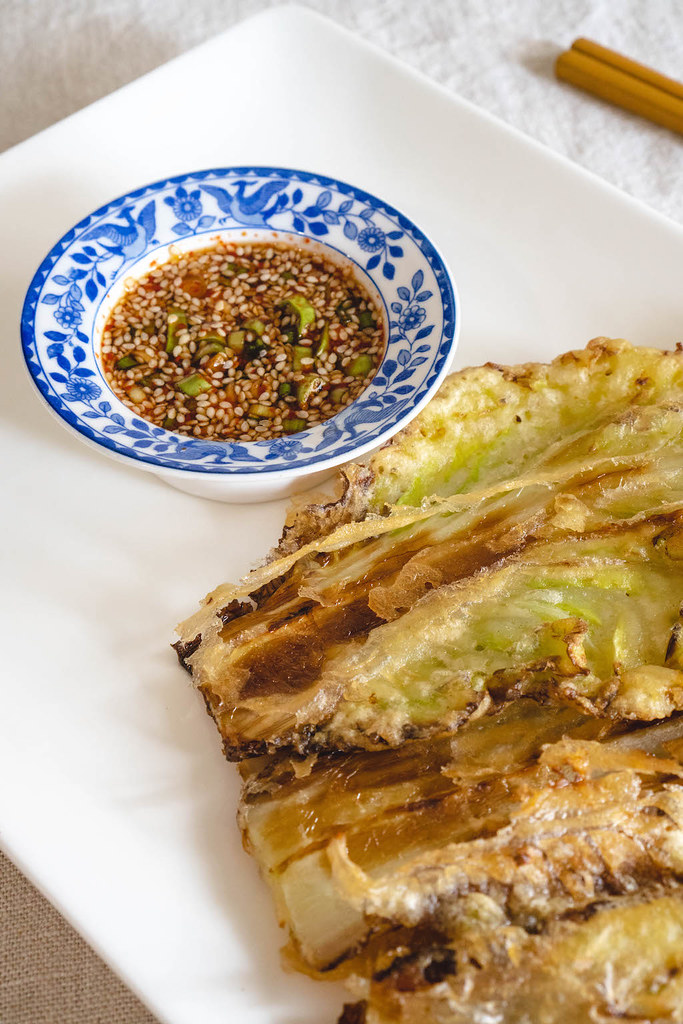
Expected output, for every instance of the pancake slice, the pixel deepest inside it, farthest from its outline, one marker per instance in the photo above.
(552, 567)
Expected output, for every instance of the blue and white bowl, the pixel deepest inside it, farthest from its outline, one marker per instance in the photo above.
(84, 275)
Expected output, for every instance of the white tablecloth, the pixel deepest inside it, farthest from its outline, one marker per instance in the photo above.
(58, 55)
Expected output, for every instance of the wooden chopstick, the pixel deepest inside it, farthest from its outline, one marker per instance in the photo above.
(624, 82)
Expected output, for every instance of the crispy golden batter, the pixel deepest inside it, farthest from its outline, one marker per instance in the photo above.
(456, 696)
(623, 962)
(549, 564)
(524, 817)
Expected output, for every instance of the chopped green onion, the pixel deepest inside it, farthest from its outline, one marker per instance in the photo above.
(361, 366)
(300, 352)
(342, 311)
(136, 394)
(194, 385)
(255, 325)
(324, 343)
(284, 389)
(260, 412)
(309, 387)
(169, 423)
(338, 395)
(286, 275)
(209, 346)
(236, 341)
(366, 319)
(126, 362)
(235, 268)
(253, 349)
(150, 378)
(302, 306)
(293, 425)
(180, 321)
(289, 334)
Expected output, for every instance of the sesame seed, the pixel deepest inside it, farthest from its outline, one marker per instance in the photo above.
(234, 285)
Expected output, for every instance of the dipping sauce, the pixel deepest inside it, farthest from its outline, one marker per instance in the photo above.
(243, 342)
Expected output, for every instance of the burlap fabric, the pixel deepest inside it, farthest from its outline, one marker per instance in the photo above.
(48, 974)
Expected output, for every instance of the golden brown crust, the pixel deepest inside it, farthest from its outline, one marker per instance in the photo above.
(456, 695)
(521, 819)
(296, 656)
(624, 961)
(307, 521)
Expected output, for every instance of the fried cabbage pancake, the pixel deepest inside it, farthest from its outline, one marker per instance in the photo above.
(456, 696)
(533, 814)
(623, 962)
(547, 561)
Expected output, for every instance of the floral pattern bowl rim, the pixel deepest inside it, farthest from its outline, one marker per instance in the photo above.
(62, 316)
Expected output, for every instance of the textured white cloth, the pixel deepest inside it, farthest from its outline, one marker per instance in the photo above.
(57, 56)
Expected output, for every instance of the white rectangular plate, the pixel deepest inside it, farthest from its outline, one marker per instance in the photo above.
(115, 798)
